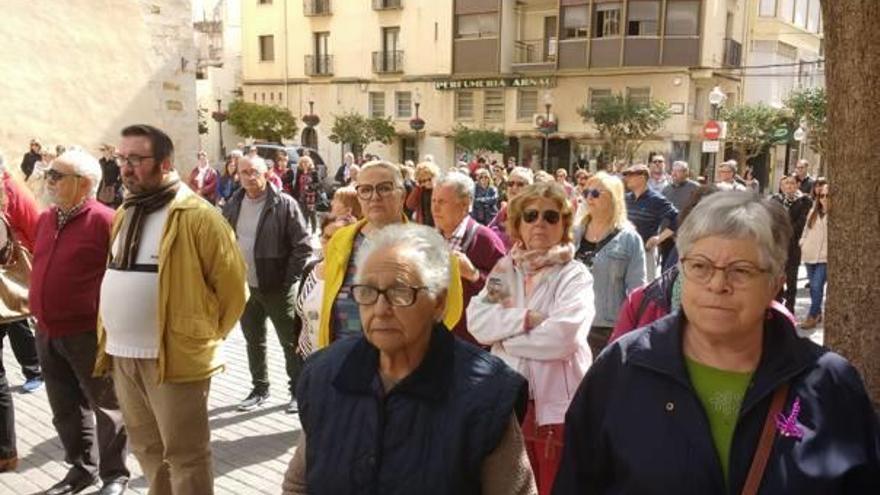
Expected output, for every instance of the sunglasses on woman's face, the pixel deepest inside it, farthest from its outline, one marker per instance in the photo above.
(550, 216)
(592, 193)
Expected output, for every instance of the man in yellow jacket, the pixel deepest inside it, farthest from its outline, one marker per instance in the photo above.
(174, 288)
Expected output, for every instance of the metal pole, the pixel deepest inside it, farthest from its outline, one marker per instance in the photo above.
(547, 139)
(220, 131)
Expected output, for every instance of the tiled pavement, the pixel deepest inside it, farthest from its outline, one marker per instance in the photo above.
(251, 450)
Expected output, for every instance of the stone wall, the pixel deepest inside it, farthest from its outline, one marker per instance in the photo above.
(78, 71)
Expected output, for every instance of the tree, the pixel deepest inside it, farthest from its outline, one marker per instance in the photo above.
(852, 64)
(624, 124)
(479, 140)
(357, 131)
(752, 128)
(810, 106)
(262, 122)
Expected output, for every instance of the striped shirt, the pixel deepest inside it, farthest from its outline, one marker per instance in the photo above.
(648, 211)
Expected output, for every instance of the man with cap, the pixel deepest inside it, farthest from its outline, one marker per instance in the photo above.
(647, 209)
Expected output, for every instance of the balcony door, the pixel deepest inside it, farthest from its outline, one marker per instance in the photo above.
(390, 46)
(550, 44)
(322, 51)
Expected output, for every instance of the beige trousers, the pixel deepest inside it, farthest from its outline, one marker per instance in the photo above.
(167, 427)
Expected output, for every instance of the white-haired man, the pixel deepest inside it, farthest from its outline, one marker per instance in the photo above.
(476, 247)
(727, 177)
(70, 257)
(273, 239)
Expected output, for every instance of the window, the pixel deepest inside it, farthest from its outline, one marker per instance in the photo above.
(271, 96)
(263, 97)
(403, 104)
(683, 18)
(267, 48)
(643, 18)
(767, 8)
(639, 95)
(597, 95)
(377, 104)
(813, 16)
(255, 97)
(527, 104)
(800, 13)
(464, 105)
(476, 25)
(493, 105)
(322, 45)
(575, 20)
(787, 10)
(606, 20)
(265, 2)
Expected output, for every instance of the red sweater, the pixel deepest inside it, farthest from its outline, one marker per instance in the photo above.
(21, 211)
(68, 268)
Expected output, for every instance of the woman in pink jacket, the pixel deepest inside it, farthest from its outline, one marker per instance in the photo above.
(535, 311)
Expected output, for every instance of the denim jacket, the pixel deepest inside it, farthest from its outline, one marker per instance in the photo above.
(618, 268)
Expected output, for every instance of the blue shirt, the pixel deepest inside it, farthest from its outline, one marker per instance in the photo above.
(346, 315)
(648, 211)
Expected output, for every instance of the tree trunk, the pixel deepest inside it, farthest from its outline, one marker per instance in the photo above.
(852, 65)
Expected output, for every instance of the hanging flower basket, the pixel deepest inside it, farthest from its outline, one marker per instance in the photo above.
(417, 124)
(311, 120)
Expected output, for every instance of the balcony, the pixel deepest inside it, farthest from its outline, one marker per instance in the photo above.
(387, 4)
(732, 53)
(319, 65)
(314, 8)
(388, 62)
(534, 54)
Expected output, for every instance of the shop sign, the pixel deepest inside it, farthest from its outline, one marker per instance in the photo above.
(506, 82)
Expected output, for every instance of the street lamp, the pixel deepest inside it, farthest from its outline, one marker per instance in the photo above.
(417, 123)
(547, 127)
(716, 99)
(310, 136)
(220, 116)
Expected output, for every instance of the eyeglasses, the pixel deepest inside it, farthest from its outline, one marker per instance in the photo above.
(399, 296)
(822, 196)
(738, 274)
(550, 216)
(592, 193)
(133, 160)
(382, 189)
(516, 183)
(658, 161)
(53, 175)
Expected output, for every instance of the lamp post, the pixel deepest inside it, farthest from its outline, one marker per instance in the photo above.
(547, 127)
(220, 116)
(310, 136)
(417, 123)
(716, 99)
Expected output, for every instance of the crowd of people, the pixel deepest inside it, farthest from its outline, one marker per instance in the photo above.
(479, 328)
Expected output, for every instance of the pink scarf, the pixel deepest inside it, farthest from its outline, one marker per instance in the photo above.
(532, 261)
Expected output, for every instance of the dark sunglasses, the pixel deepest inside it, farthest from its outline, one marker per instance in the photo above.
(53, 175)
(592, 193)
(550, 216)
(822, 195)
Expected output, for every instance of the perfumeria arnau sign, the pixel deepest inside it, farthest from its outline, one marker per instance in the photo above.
(506, 82)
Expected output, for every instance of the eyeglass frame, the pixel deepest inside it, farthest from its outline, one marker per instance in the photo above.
(374, 189)
(413, 291)
(58, 176)
(542, 214)
(725, 268)
(121, 161)
(591, 191)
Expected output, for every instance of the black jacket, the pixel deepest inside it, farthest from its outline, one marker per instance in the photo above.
(27, 163)
(797, 214)
(282, 246)
(636, 426)
(429, 435)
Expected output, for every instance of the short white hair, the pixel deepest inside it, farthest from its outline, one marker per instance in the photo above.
(256, 161)
(462, 185)
(523, 173)
(84, 165)
(681, 165)
(740, 215)
(429, 158)
(729, 165)
(423, 246)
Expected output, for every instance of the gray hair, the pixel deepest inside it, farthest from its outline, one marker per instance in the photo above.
(424, 247)
(524, 173)
(85, 165)
(729, 165)
(257, 162)
(394, 169)
(740, 215)
(462, 184)
(681, 165)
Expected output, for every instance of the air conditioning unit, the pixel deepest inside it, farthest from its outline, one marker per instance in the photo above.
(540, 119)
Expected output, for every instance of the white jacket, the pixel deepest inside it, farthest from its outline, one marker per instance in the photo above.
(553, 356)
(814, 241)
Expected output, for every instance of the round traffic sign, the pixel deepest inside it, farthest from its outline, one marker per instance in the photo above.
(712, 130)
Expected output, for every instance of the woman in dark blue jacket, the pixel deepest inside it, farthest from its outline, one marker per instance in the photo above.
(679, 407)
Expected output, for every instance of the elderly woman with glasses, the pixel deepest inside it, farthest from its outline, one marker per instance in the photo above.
(722, 396)
(407, 407)
(380, 193)
(610, 247)
(419, 199)
(535, 311)
(517, 180)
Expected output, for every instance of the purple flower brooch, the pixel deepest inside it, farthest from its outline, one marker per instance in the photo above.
(787, 426)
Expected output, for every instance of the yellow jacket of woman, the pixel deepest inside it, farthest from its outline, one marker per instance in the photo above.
(202, 290)
(336, 264)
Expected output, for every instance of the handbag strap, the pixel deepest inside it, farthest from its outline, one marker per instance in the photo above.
(765, 444)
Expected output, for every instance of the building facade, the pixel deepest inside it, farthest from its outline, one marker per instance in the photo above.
(77, 74)
(494, 64)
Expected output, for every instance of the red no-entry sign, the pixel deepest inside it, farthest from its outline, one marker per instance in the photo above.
(712, 130)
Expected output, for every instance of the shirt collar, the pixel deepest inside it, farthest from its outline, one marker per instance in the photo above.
(459, 231)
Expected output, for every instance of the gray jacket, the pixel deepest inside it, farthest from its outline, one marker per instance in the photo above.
(618, 268)
(282, 246)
